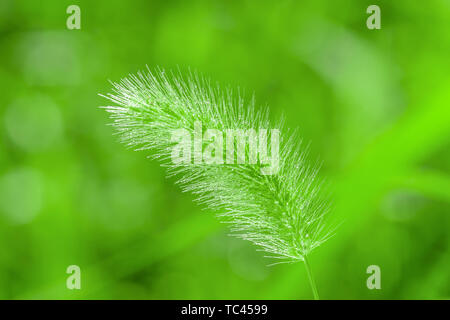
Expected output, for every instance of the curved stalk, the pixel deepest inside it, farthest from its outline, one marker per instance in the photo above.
(311, 279)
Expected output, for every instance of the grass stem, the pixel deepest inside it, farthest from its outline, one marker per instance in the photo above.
(311, 279)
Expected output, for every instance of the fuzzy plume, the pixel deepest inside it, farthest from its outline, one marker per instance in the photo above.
(282, 213)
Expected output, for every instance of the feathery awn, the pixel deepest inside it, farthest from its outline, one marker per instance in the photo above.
(282, 213)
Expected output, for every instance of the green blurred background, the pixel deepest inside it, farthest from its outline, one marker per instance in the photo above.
(375, 105)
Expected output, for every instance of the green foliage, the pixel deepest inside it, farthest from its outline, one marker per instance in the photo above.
(374, 105)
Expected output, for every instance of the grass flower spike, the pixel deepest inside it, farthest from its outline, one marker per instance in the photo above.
(274, 202)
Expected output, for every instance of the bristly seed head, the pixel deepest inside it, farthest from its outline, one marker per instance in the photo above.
(282, 213)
